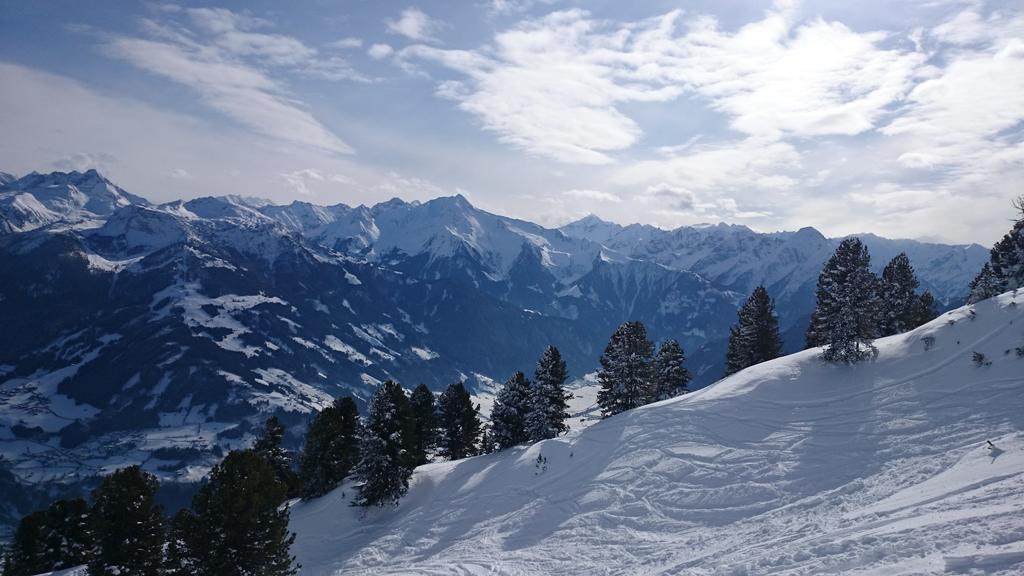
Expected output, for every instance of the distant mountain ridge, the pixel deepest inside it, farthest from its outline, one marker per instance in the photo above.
(161, 333)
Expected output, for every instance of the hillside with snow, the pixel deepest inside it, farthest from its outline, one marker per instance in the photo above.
(789, 467)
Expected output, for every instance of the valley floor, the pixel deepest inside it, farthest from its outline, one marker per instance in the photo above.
(791, 467)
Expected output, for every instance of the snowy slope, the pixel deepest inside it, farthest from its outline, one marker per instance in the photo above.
(790, 467)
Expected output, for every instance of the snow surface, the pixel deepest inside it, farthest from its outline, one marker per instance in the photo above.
(790, 467)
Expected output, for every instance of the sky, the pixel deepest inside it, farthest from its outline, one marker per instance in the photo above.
(901, 118)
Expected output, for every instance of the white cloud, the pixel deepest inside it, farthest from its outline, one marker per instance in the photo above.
(414, 24)
(554, 86)
(379, 51)
(216, 67)
(349, 43)
(595, 195)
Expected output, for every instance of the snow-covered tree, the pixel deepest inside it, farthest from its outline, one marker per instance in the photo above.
(51, 539)
(459, 423)
(1005, 268)
(924, 310)
(331, 449)
(548, 410)
(508, 416)
(27, 554)
(385, 444)
(424, 423)
(847, 308)
(985, 285)
(755, 336)
(626, 371)
(670, 374)
(237, 525)
(126, 525)
(899, 304)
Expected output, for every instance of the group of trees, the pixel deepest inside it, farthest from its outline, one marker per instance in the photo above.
(1005, 268)
(632, 374)
(526, 411)
(854, 306)
(237, 525)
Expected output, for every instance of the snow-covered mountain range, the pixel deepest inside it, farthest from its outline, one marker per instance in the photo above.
(137, 332)
(794, 466)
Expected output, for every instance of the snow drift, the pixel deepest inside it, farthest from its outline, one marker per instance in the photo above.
(790, 467)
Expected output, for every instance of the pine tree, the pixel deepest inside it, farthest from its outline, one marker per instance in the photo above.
(424, 423)
(1007, 255)
(487, 443)
(68, 542)
(268, 445)
(237, 526)
(984, 286)
(898, 299)
(755, 336)
(847, 310)
(126, 525)
(924, 309)
(27, 554)
(815, 335)
(626, 370)
(548, 410)
(459, 423)
(183, 547)
(331, 449)
(508, 416)
(670, 374)
(1005, 268)
(385, 444)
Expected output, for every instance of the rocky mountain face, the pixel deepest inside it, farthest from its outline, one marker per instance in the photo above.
(164, 333)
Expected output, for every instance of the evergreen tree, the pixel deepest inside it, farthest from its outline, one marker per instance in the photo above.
(237, 526)
(183, 547)
(815, 335)
(1005, 268)
(924, 309)
(755, 336)
(1007, 255)
(508, 416)
(126, 525)
(626, 370)
(385, 445)
(670, 374)
(487, 443)
(268, 445)
(548, 409)
(898, 299)
(847, 304)
(424, 423)
(459, 423)
(27, 555)
(331, 449)
(985, 285)
(66, 534)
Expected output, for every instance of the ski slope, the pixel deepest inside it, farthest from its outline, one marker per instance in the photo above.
(790, 467)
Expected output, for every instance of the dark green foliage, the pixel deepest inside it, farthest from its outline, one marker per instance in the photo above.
(898, 299)
(27, 554)
(237, 526)
(127, 525)
(670, 374)
(459, 423)
(508, 416)
(626, 370)
(331, 449)
(385, 445)
(268, 445)
(755, 336)
(1005, 268)
(548, 408)
(924, 309)
(424, 423)
(846, 316)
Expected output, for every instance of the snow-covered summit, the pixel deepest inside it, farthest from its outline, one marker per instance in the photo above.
(793, 466)
(37, 200)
